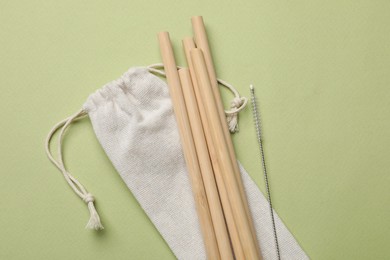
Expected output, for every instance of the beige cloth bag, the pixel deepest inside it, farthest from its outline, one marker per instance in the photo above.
(134, 122)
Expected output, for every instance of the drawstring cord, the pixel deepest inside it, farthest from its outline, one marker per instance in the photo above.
(94, 220)
(237, 104)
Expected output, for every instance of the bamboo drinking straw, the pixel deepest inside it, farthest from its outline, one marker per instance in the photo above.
(189, 149)
(217, 215)
(223, 157)
(202, 43)
(189, 44)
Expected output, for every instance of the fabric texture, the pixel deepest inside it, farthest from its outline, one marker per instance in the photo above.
(134, 122)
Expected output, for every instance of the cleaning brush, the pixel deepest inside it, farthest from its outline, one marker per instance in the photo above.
(256, 118)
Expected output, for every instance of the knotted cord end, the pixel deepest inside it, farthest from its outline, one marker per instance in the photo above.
(232, 120)
(237, 104)
(94, 220)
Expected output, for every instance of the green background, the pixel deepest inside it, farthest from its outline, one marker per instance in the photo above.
(321, 71)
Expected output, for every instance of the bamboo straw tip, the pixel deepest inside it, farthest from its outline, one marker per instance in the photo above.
(197, 18)
(163, 34)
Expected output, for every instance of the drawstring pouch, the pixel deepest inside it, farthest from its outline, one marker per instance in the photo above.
(133, 120)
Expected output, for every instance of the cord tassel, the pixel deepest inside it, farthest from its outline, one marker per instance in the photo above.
(94, 220)
(232, 116)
